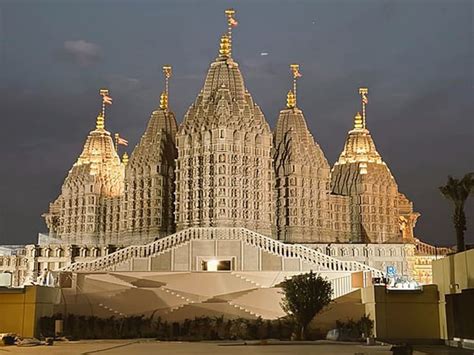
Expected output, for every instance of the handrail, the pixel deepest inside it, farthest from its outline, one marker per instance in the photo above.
(268, 244)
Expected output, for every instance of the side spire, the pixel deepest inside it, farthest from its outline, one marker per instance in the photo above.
(363, 92)
(167, 71)
(295, 70)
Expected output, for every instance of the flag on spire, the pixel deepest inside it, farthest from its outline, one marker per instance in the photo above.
(365, 99)
(106, 99)
(233, 22)
(122, 141)
(295, 69)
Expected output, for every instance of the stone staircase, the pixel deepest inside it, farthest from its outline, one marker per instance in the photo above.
(319, 260)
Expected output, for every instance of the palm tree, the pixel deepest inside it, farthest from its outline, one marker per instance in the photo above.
(458, 191)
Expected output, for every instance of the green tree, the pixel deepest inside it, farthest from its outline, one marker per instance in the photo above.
(305, 295)
(458, 191)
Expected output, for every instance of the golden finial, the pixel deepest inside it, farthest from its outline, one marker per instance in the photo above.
(164, 101)
(290, 100)
(167, 71)
(295, 70)
(100, 122)
(363, 92)
(106, 99)
(231, 23)
(230, 13)
(125, 158)
(358, 121)
(225, 49)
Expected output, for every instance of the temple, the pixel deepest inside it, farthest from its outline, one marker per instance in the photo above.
(223, 176)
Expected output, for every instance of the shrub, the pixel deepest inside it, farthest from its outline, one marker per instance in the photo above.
(199, 328)
(352, 330)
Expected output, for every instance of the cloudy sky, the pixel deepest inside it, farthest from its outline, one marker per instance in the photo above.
(415, 56)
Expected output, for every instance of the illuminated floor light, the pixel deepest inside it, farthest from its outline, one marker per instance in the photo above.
(212, 265)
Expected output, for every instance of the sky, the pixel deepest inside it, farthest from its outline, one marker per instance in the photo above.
(416, 58)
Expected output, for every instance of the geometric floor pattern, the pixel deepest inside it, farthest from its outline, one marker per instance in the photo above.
(175, 296)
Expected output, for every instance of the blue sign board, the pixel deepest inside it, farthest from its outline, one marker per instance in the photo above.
(391, 271)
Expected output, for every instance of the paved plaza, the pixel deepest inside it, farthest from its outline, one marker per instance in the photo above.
(130, 347)
(155, 347)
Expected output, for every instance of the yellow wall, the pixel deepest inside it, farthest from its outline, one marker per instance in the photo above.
(452, 274)
(403, 314)
(454, 269)
(20, 309)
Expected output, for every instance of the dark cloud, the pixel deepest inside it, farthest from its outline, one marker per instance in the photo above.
(259, 67)
(123, 84)
(81, 52)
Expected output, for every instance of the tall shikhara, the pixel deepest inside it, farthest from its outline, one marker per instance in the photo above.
(224, 167)
(305, 210)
